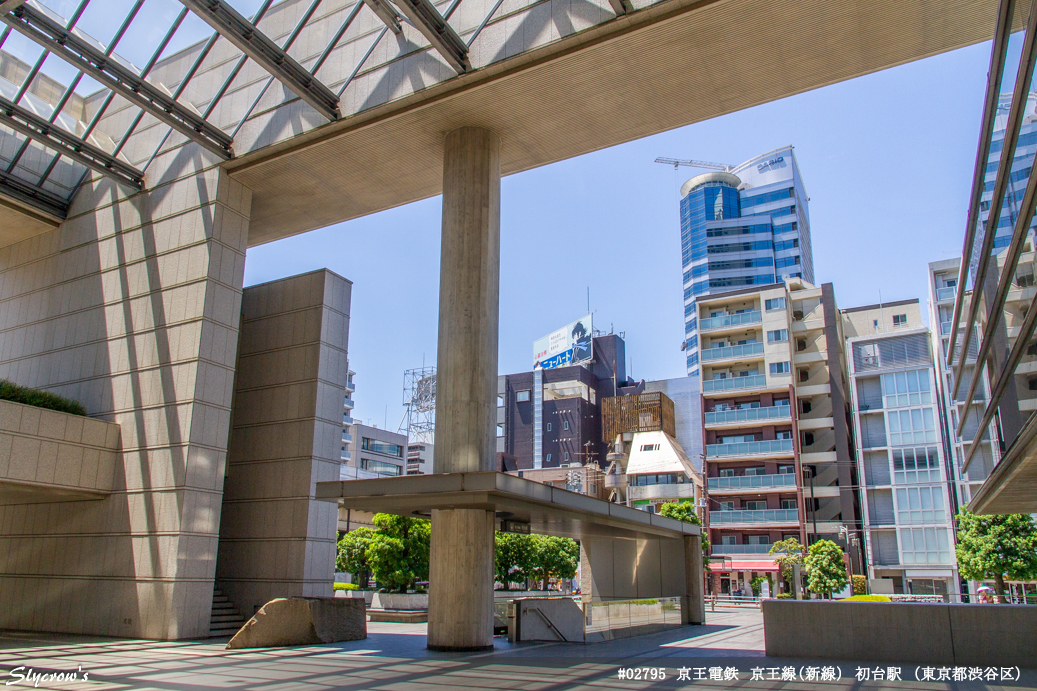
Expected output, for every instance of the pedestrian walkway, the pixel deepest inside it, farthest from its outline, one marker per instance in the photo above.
(394, 658)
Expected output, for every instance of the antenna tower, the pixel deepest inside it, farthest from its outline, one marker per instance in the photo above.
(419, 396)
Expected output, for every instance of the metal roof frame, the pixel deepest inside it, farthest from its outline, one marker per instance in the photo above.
(33, 195)
(54, 137)
(426, 19)
(81, 54)
(270, 56)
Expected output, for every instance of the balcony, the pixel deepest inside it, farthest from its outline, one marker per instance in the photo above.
(615, 481)
(347, 420)
(728, 417)
(728, 320)
(350, 386)
(347, 403)
(944, 294)
(747, 350)
(347, 438)
(675, 491)
(749, 448)
(755, 381)
(752, 482)
(763, 516)
(742, 549)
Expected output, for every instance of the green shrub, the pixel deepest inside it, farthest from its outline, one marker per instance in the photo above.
(860, 585)
(346, 586)
(39, 399)
(867, 598)
(784, 596)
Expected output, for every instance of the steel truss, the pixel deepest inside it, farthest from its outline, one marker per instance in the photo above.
(255, 44)
(65, 44)
(56, 138)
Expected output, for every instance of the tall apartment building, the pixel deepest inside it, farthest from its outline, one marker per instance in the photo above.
(347, 416)
(778, 447)
(1022, 161)
(907, 496)
(746, 227)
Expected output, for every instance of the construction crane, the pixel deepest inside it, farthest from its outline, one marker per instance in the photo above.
(695, 164)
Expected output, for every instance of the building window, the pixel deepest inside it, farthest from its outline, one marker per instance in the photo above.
(777, 336)
(926, 546)
(902, 389)
(500, 400)
(548, 459)
(500, 430)
(911, 426)
(804, 374)
(775, 304)
(380, 467)
(920, 505)
(801, 344)
(808, 439)
(727, 472)
(806, 407)
(759, 470)
(522, 396)
(783, 434)
(755, 506)
(899, 320)
(727, 506)
(379, 446)
(786, 470)
(759, 539)
(650, 447)
(788, 504)
(779, 368)
(727, 540)
(549, 427)
(916, 465)
(565, 424)
(566, 456)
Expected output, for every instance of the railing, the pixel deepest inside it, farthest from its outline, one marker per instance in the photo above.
(749, 448)
(732, 601)
(753, 381)
(744, 350)
(772, 412)
(782, 516)
(752, 481)
(945, 294)
(347, 420)
(347, 437)
(730, 320)
(741, 549)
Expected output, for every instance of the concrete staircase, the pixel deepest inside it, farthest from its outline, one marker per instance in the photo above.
(225, 620)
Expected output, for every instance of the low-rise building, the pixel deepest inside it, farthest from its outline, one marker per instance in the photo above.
(420, 455)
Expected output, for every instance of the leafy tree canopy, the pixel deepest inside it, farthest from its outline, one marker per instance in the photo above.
(826, 570)
(685, 511)
(399, 551)
(997, 547)
(787, 553)
(352, 551)
(519, 558)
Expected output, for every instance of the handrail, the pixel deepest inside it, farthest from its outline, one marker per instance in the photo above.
(752, 381)
(752, 481)
(754, 516)
(747, 448)
(772, 412)
(743, 350)
(754, 317)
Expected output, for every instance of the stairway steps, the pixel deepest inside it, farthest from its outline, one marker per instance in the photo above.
(225, 619)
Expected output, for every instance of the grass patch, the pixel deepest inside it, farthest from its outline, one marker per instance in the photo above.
(39, 399)
(867, 598)
(345, 586)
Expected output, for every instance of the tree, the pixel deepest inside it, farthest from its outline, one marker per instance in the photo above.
(685, 511)
(789, 552)
(826, 570)
(512, 556)
(553, 557)
(398, 553)
(352, 554)
(997, 547)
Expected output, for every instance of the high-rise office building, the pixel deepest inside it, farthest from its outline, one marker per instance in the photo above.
(1022, 161)
(745, 227)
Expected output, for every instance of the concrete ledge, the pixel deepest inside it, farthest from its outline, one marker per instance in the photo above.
(399, 616)
(303, 621)
(945, 634)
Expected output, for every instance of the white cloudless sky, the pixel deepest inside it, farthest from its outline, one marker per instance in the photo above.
(887, 163)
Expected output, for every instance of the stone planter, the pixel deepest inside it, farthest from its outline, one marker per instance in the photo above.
(408, 601)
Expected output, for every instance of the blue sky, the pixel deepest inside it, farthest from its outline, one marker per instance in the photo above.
(887, 162)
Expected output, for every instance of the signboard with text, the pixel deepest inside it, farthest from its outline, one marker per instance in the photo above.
(569, 345)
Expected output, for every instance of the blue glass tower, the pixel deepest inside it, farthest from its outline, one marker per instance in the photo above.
(749, 226)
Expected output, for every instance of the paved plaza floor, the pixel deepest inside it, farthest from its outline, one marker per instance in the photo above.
(394, 658)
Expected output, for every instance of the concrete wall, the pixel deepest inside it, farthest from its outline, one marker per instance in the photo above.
(131, 306)
(48, 454)
(275, 540)
(612, 568)
(922, 633)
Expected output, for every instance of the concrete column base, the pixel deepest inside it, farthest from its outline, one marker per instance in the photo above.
(460, 603)
(695, 608)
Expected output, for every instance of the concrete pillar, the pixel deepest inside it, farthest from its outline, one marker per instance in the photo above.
(694, 606)
(461, 558)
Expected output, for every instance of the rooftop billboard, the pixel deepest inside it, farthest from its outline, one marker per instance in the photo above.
(569, 345)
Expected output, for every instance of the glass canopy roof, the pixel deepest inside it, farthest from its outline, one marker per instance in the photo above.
(105, 85)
